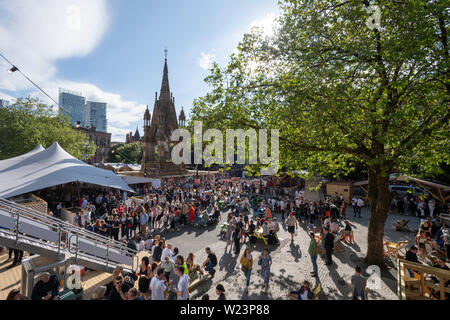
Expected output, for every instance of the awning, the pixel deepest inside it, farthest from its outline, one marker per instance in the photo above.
(42, 169)
(141, 180)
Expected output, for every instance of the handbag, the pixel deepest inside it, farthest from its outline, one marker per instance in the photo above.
(244, 269)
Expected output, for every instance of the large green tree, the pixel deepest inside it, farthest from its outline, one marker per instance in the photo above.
(343, 92)
(126, 153)
(28, 123)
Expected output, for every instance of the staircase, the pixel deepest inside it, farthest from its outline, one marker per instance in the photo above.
(29, 230)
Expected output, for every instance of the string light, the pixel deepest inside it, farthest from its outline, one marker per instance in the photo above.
(16, 69)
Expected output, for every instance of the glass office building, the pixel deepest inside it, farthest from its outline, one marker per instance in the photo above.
(96, 115)
(74, 105)
(4, 103)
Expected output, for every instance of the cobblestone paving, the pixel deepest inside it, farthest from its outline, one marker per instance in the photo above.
(292, 265)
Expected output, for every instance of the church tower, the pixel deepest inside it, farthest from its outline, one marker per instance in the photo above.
(158, 131)
(182, 118)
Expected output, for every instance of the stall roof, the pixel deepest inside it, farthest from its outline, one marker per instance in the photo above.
(40, 169)
(141, 180)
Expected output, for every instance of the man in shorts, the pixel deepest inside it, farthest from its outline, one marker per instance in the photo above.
(292, 225)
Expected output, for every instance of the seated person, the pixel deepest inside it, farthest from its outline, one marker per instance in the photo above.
(305, 292)
(216, 214)
(401, 225)
(411, 255)
(119, 289)
(426, 227)
(198, 219)
(47, 288)
(205, 218)
(133, 294)
(440, 235)
(274, 228)
(258, 223)
(435, 227)
(251, 228)
(441, 265)
(293, 295)
(194, 270)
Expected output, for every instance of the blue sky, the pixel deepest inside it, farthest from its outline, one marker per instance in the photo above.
(116, 52)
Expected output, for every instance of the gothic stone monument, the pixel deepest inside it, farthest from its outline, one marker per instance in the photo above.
(157, 132)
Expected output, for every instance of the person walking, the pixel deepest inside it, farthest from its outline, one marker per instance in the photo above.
(228, 232)
(115, 228)
(236, 239)
(359, 205)
(247, 265)
(265, 261)
(313, 250)
(359, 284)
(292, 225)
(144, 222)
(354, 201)
(329, 246)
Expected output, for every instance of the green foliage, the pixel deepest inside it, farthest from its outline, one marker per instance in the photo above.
(28, 123)
(126, 153)
(342, 95)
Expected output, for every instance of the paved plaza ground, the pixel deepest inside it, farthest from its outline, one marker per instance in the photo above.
(291, 262)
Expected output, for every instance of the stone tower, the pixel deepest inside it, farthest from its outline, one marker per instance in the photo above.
(157, 132)
(182, 118)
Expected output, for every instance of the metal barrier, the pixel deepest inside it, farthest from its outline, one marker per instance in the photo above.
(22, 227)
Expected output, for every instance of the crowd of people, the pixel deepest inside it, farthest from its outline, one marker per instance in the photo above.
(166, 274)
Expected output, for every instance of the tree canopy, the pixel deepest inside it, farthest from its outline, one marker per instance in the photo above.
(126, 153)
(28, 123)
(342, 92)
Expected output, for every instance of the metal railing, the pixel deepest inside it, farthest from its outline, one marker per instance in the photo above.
(58, 235)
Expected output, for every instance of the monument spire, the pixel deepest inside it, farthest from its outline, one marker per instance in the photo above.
(165, 89)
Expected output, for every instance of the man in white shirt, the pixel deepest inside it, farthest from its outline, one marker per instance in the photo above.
(157, 286)
(167, 252)
(183, 283)
(334, 227)
(87, 217)
(359, 205)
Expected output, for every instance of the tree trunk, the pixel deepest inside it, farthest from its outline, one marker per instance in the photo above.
(379, 198)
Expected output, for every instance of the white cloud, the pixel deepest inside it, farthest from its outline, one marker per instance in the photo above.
(4, 96)
(268, 24)
(207, 59)
(121, 114)
(35, 34)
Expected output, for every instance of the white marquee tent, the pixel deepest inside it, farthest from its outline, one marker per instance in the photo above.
(40, 169)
